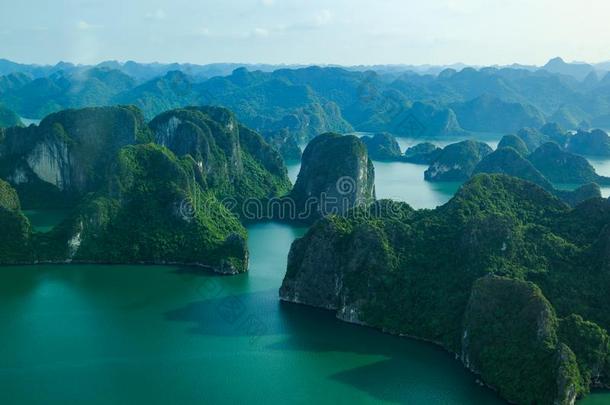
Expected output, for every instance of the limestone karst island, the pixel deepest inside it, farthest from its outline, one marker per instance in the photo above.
(289, 202)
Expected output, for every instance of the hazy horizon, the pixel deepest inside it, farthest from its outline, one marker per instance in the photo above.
(250, 63)
(299, 32)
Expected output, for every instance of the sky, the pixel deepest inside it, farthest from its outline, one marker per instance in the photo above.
(345, 32)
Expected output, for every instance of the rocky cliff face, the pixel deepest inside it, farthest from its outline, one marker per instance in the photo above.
(457, 161)
(382, 146)
(318, 276)
(591, 143)
(155, 211)
(313, 262)
(69, 153)
(140, 194)
(463, 276)
(15, 244)
(510, 331)
(214, 144)
(422, 153)
(336, 175)
(69, 150)
(233, 160)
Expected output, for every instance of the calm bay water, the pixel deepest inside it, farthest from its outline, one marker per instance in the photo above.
(602, 167)
(401, 181)
(29, 121)
(162, 334)
(166, 334)
(44, 221)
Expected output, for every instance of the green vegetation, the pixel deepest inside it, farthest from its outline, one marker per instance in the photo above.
(422, 153)
(138, 193)
(591, 143)
(487, 113)
(154, 211)
(336, 175)
(66, 156)
(510, 338)
(457, 161)
(14, 238)
(507, 160)
(286, 144)
(564, 167)
(382, 146)
(532, 138)
(235, 161)
(312, 100)
(8, 118)
(513, 141)
(495, 275)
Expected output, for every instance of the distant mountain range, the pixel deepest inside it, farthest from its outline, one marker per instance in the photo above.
(299, 102)
(147, 71)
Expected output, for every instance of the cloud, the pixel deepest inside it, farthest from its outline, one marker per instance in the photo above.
(85, 26)
(203, 31)
(323, 17)
(267, 3)
(318, 20)
(158, 14)
(260, 32)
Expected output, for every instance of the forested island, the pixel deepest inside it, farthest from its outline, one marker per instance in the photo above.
(158, 165)
(138, 192)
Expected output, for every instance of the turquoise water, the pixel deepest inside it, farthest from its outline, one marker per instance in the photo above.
(402, 182)
(602, 167)
(44, 221)
(492, 139)
(405, 182)
(163, 334)
(166, 334)
(29, 121)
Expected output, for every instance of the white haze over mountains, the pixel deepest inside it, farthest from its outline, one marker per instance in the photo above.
(345, 32)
